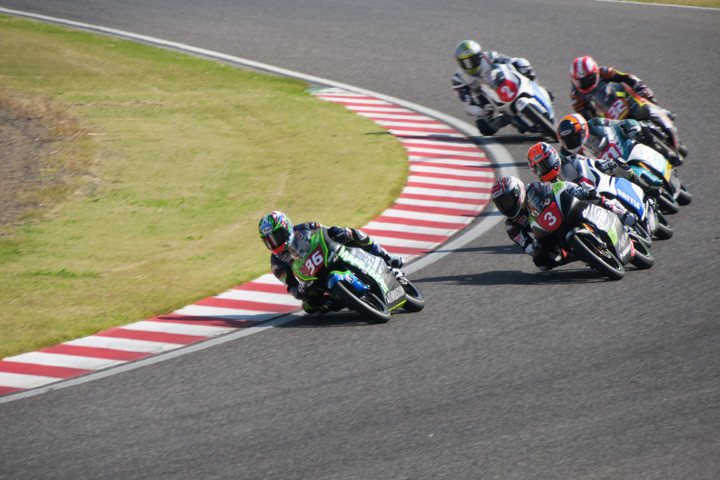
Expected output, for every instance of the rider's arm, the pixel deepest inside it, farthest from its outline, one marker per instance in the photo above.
(283, 272)
(519, 232)
(591, 196)
(576, 168)
(580, 105)
(463, 92)
(522, 65)
(612, 75)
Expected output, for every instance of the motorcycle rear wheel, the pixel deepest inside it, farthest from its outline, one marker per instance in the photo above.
(367, 303)
(602, 261)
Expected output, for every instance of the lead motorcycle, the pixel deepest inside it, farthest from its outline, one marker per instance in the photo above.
(592, 234)
(359, 280)
(524, 101)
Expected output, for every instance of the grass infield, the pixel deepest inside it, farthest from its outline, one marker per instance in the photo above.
(158, 168)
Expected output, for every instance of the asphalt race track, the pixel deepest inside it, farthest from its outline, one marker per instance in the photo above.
(508, 373)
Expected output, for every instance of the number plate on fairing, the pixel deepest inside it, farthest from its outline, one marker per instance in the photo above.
(550, 218)
(507, 91)
(313, 262)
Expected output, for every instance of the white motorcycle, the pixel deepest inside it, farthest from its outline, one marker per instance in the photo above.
(527, 104)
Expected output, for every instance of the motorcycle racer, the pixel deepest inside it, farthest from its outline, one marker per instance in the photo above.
(587, 77)
(628, 130)
(545, 162)
(508, 196)
(277, 232)
(578, 136)
(475, 67)
(574, 134)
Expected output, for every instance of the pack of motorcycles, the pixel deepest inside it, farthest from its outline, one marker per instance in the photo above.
(361, 282)
(590, 234)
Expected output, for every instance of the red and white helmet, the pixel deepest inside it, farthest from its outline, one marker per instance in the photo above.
(585, 73)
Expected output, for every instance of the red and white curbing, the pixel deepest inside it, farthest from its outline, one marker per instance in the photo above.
(448, 186)
(449, 183)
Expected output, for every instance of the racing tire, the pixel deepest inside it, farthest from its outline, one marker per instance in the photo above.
(414, 299)
(664, 230)
(366, 303)
(546, 126)
(604, 262)
(684, 196)
(667, 204)
(642, 234)
(642, 258)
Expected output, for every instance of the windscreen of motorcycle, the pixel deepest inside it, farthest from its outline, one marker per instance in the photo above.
(542, 205)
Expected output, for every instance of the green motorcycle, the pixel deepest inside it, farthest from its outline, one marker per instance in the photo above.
(359, 280)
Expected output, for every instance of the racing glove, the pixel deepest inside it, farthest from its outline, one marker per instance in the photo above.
(340, 235)
(644, 91)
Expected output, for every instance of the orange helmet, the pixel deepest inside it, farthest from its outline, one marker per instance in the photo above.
(544, 161)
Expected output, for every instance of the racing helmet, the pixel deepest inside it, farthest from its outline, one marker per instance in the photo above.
(585, 73)
(469, 55)
(572, 130)
(276, 230)
(544, 161)
(508, 196)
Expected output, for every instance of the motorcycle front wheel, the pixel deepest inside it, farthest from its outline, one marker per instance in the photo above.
(684, 196)
(366, 303)
(537, 118)
(664, 230)
(601, 260)
(642, 258)
(667, 204)
(414, 300)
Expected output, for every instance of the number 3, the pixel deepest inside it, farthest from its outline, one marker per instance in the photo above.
(550, 218)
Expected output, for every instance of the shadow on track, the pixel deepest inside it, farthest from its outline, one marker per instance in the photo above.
(343, 318)
(563, 275)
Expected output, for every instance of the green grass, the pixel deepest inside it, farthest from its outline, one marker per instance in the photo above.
(162, 165)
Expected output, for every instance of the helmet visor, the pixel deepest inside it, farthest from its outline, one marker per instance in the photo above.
(546, 168)
(276, 240)
(507, 204)
(586, 83)
(571, 141)
(470, 64)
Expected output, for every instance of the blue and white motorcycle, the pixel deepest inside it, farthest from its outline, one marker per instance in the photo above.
(634, 199)
(527, 104)
(584, 171)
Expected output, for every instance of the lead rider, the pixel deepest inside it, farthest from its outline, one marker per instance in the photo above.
(475, 67)
(277, 231)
